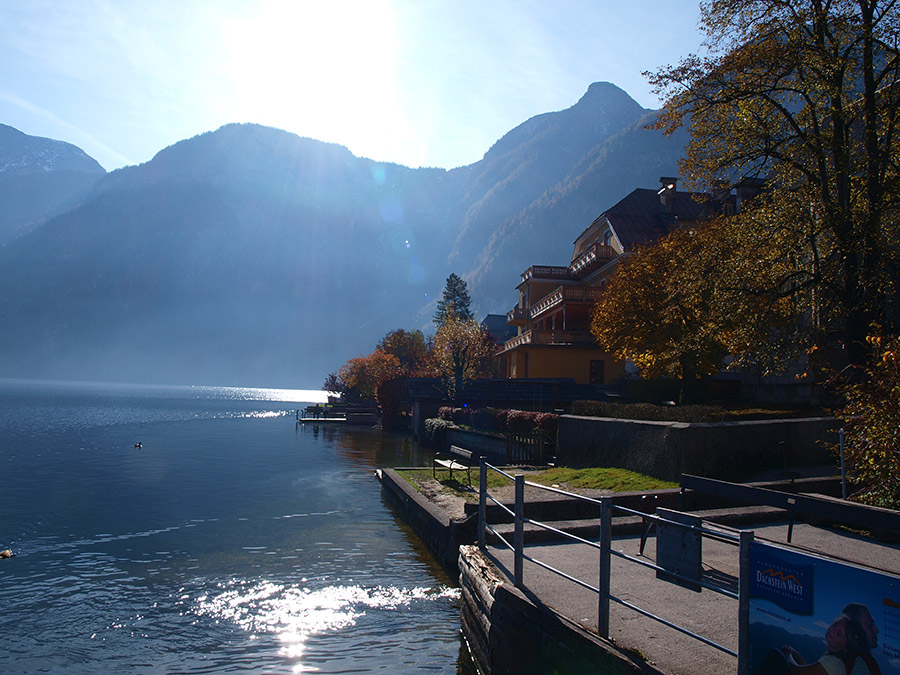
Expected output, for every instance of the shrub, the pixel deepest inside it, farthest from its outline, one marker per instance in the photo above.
(481, 419)
(525, 422)
(547, 422)
(435, 433)
(499, 416)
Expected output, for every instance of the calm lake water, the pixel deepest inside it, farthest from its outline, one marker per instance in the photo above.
(233, 540)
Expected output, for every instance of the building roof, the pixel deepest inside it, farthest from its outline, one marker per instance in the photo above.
(641, 218)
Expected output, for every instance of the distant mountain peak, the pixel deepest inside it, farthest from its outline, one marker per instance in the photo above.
(21, 152)
(606, 94)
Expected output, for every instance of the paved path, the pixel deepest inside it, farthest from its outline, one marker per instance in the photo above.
(707, 613)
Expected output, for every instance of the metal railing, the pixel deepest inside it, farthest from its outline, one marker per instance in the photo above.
(741, 539)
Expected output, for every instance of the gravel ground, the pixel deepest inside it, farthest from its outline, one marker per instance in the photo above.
(454, 503)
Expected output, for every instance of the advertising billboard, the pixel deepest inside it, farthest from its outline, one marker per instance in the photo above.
(806, 609)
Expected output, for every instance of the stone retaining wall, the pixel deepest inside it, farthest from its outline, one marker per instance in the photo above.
(433, 525)
(716, 450)
(508, 633)
(490, 446)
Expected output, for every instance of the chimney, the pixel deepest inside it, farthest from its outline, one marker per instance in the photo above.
(667, 192)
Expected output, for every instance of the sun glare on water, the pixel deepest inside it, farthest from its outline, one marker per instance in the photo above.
(294, 613)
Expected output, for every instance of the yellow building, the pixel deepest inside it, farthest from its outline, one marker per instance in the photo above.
(553, 314)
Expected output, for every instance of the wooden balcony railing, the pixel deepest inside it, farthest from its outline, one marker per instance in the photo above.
(564, 294)
(545, 272)
(517, 315)
(592, 258)
(549, 337)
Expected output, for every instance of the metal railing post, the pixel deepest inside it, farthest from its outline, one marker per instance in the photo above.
(843, 466)
(482, 501)
(605, 566)
(519, 539)
(744, 604)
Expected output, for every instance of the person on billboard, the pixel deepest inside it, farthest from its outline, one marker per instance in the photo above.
(841, 637)
(861, 662)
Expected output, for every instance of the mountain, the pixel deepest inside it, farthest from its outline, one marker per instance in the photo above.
(543, 232)
(540, 185)
(39, 178)
(253, 256)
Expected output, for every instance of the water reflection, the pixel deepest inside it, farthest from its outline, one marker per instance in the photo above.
(365, 447)
(295, 613)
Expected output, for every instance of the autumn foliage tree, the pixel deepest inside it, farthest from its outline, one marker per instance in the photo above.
(872, 416)
(661, 321)
(381, 376)
(803, 94)
(411, 349)
(463, 351)
(362, 375)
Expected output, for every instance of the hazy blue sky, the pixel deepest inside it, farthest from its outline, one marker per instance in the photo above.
(417, 82)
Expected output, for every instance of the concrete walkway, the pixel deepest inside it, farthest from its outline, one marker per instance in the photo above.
(707, 613)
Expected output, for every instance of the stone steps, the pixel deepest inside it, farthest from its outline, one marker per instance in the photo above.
(589, 528)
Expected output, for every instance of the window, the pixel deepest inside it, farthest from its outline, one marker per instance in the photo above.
(607, 237)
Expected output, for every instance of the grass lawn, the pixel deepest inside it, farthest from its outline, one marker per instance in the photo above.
(597, 478)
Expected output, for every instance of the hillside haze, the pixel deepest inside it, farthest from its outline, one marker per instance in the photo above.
(252, 256)
(39, 178)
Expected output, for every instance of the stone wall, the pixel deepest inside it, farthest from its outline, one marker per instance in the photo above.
(487, 445)
(508, 633)
(433, 525)
(727, 450)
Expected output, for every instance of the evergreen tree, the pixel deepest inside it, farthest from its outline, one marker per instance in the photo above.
(455, 301)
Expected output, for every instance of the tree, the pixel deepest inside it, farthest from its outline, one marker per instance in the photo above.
(455, 299)
(362, 375)
(658, 319)
(804, 95)
(872, 416)
(411, 350)
(464, 351)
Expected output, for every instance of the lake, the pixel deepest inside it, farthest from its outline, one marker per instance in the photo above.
(232, 540)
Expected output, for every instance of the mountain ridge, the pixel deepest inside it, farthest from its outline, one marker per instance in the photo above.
(250, 255)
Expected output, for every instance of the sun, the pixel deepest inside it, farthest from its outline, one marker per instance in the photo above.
(327, 70)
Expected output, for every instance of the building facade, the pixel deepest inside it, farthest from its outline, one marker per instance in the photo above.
(553, 312)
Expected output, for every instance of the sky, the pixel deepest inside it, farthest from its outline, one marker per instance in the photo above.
(416, 82)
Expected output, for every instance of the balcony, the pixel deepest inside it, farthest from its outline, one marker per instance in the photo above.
(549, 337)
(545, 272)
(564, 294)
(517, 316)
(593, 258)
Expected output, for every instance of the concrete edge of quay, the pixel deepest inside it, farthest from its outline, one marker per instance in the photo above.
(506, 630)
(442, 534)
(509, 631)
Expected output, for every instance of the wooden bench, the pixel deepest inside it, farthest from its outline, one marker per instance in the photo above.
(458, 458)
